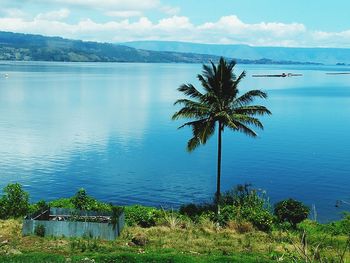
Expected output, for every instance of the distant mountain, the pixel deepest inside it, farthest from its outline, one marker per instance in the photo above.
(26, 47)
(304, 55)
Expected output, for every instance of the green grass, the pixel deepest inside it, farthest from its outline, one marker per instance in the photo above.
(130, 258)
(178, 241)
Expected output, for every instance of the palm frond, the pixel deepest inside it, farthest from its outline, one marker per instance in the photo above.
(249, 96)
(239, 79)
(192, 123)
(202, 130)
(190, 90)
(189, 113)
(252, 110)
(219, 103)
(248, 120)
(192, 144)
(245, 129)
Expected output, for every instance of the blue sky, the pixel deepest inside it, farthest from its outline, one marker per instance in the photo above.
(301, 23)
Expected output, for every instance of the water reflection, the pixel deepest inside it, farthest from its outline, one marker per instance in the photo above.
(107, 127)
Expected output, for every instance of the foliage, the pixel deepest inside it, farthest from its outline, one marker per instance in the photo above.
(241, 204)
(116, 212)
(195, 211)
(219, 103)
(40, 206)
(340, 227)
(62, 203)
(291, 211)
(81, 200)
(202, 242)
(84, 245)
(219, 106)
(14, 202)
(130, 257)
(141, 215)
(26, 47)
(245, 204)
(39, 230)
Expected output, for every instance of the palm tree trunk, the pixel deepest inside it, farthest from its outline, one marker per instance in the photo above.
(218, 179)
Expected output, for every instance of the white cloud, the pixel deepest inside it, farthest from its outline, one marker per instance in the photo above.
(54, 15)
(109, 4)
(174, 23)
(128, 13)
(170, 10)
(226, 30)
(328, 39)
(13, 12)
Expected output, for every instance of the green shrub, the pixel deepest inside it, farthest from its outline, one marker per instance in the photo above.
(14, 202)
(241, 204)
(291, 211)
(244, 204)
(261, 219)
(2, 209)
(141, 215)
(81, 201)
(195, 211)
(340, 227)
(40, 206)
(39, 231)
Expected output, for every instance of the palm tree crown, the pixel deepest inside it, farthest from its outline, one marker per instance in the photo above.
(220, 104)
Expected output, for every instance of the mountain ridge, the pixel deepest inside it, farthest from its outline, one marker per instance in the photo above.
(300, 54)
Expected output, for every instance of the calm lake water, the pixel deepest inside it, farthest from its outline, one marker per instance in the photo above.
(107, 128)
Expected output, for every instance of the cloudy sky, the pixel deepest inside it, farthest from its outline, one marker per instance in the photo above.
(300, 23)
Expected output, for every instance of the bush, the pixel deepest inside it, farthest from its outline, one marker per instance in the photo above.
(15, 202)
(194, 211)
(141, 215)
(2, 209)
(39, 231)
(244, 204)
(291, 211)
(82, 201)
(339, 227)
(241, 204)
(261, 219)
(140, 240)
(39, 207)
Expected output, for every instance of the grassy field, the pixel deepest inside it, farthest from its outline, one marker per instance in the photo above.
(202, 242)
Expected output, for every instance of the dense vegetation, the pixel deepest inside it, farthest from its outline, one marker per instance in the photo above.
(246, 230)
(27, 47)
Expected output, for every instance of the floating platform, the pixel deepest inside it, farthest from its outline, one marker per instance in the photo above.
(283, 75)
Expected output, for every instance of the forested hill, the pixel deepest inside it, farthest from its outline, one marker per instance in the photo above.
(27, 47)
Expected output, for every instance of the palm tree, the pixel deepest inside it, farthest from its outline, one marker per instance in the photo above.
(219, 105)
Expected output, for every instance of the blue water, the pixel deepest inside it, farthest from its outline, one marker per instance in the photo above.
(107, 128)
